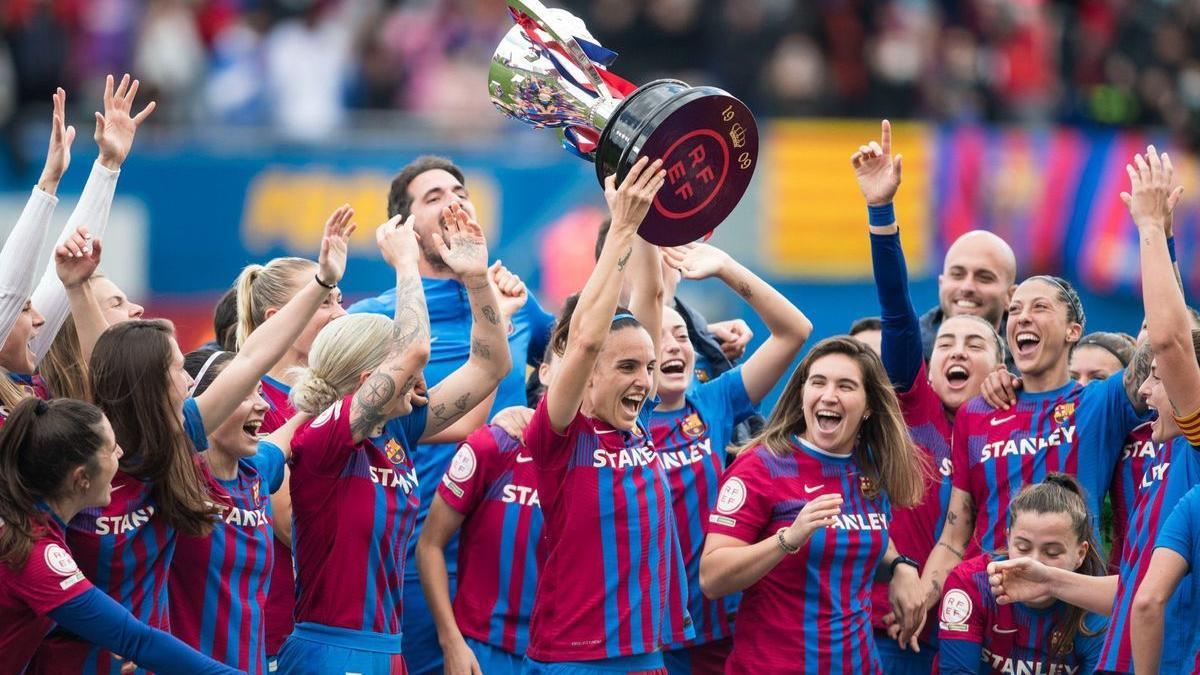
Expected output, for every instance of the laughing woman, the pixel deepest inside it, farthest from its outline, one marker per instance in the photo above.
(801, 523)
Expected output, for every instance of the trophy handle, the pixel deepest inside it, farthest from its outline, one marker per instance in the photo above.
(548, 22)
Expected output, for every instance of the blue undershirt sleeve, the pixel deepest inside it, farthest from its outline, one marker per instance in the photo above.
(98, 619)
(902, 351)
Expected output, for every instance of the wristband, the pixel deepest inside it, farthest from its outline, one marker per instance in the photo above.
(787, 548)
(902, 560)
(880, 216)
(322, 284)
(1171, 247)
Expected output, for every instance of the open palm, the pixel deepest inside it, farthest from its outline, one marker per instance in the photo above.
(463, 247)
(115, 128)
(335, 244)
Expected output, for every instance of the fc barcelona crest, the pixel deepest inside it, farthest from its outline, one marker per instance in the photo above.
(693, 426)
(395, 451)
(1063, 412)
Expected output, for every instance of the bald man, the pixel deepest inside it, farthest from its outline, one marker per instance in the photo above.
(978, 277)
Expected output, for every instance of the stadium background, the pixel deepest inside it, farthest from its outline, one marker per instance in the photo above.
(1016, 116)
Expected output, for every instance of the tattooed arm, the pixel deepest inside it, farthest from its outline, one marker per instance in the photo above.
(375, 400)
(956, 534)
(464, 251)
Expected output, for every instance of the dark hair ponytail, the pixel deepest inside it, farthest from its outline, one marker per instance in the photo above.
(41, 443)
(1062, 493)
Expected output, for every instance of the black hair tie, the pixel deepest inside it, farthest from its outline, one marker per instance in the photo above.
(41, 407)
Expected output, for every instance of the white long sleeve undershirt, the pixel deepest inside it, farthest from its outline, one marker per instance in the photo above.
(50, 298)
(18, 258)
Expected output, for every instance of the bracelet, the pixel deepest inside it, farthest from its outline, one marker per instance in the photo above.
(880, 216)
(787, 548)
(322, 284)
(902, 560)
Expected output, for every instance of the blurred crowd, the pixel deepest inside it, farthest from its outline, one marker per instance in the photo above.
(307, 68)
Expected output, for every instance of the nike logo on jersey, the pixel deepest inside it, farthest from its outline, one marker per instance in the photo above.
(1001, 420)
(1003, 631)
(115, 488)
(522, 459)
(809, 489)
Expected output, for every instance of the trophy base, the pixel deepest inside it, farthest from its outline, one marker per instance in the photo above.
(708, 142)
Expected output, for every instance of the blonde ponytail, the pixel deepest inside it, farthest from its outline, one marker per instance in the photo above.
(261, 287)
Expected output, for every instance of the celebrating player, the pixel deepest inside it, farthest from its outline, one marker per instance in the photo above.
(424, 189)
(1049, 523)
(138, 379)
(353, 486)
(965, 350)
(1051, 424)
(801, 523)
(218, 583)
(260, 291)
(57, 459)
(693, 424)
(603, 490)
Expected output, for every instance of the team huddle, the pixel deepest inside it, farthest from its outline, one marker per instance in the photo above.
(447, 478)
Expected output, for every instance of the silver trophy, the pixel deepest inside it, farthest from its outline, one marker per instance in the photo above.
(549, 72)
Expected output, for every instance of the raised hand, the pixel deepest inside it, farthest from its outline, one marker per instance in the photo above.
(514, 420)
(1152, 194)
(696, 260)
(629, 203)
(335, 245)
(397, 242)
(878, 173)
(115, 128)
(816, 514)
(462, 247)
(76, 259)
(510, 289)
(1019, 580)
(58, 157)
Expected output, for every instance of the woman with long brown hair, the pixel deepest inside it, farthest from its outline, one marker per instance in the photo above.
(801, 523)
(138, 379)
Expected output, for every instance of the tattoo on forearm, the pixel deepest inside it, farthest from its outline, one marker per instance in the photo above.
(491, 315)
(481, 349)
(624, 258)
(460, 403)
(951, 517)
(412, 319)
(440, 414)
(368, 406)
(744, 290)
(1137, 371)
(948, 547)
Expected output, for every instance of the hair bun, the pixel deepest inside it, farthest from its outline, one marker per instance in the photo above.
(312, 394)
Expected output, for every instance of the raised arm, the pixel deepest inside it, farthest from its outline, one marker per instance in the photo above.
(1151, 200)
(464, 250)
(647, 295)
(270, 342)
(23, 247)
(75, 261)
(878, 174)
(788, 326)
(115, 129)
(593, 315)
(409, 351)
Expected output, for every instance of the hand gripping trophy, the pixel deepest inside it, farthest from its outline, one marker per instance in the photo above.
(549, 72)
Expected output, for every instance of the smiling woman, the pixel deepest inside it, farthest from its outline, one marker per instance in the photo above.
(810, 500)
